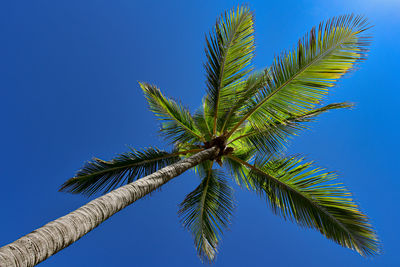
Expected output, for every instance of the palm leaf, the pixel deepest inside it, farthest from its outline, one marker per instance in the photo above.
(310, 115)
(177, 122)
(298, 80)
(203, 120)
(274, 136)
(243, 94)
(206, 212)
(229, 51)
(238, 171)
(313, 198)
(99, 175)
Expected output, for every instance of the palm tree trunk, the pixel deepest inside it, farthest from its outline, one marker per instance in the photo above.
(44, 242)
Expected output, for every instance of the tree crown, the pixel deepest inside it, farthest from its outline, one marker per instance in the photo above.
(250, 116)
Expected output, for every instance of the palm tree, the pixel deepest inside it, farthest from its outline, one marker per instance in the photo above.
(244, 124)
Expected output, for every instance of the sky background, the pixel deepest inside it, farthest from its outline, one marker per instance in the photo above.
(68, 85)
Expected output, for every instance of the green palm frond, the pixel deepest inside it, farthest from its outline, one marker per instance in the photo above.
(298, 80)
(203, 168)
(229, 52)
(243, 94)
(310, 115)
(99, 175)
(238, 171)
(207, 211)
(177, 122)
(313, 198)
(204, 121)
(274, 136)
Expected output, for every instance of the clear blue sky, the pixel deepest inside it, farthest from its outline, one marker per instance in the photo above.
(68, 79)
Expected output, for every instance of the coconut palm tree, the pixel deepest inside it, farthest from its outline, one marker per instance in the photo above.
(240, 131)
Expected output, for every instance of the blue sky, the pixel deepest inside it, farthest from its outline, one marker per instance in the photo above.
(68, 79)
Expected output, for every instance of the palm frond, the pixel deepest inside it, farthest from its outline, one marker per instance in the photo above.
(229, 52)
(310, 115)
(204, 121)
(298, 80)
(177, 122)
(242, 96)
(99, 175)
(272, 137)
(238, 171)
(313, 198)
(207, 211)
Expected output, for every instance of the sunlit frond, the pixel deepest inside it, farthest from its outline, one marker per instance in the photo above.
(310, 115)
(177, 122)
(238, 171)
(229, 51)
(298, 80)
(272, 137)
(204, 121)
(242, 96)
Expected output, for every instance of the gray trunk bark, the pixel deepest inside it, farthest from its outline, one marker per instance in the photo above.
(44, 242)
